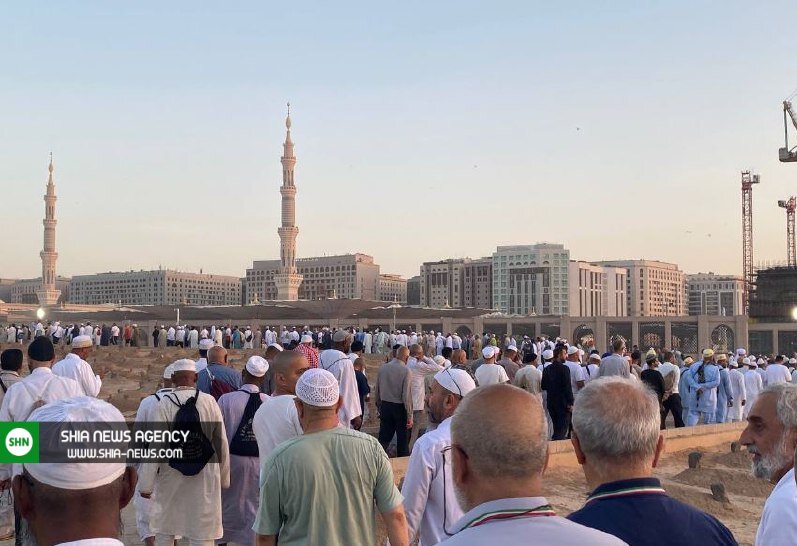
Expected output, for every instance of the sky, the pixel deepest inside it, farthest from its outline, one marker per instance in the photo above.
(423, 130)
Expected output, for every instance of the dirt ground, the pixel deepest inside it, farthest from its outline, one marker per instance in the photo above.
(134, 373)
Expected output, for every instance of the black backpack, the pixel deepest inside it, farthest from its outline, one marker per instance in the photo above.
(243, 442)
(197, 449)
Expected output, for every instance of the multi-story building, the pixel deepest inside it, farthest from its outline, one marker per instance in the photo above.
(350, 276)
(457, 283)
(597, 290)
(24, 290)
(159, 287)
(711, 294)
(414, 290)
(392, 288)
(6, 287)
(531, 279)
(653, 288)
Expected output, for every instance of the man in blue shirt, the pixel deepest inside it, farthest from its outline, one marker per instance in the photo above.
(617, 446)
(703, 378)
(218, 369)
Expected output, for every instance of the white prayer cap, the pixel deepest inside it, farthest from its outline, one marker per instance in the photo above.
(168, 371)
(205, 344)
(761, 361)
(512, 348)
(740, 352)
(746, 361)
(595, 356)
(793, 361)
(257, 366)
(307, 339)
(455, 381)
(547, 354)
(81, 342)
(489, 351)
(184, 365)
(732, 363)
(572, 350)
(317, 387)
(439, 359)
(83, 475)
(276, 346)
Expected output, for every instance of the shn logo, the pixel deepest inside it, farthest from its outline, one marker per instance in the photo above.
(19, 442)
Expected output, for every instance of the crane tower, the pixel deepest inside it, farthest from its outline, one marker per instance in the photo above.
(790, 206)
(747, 232)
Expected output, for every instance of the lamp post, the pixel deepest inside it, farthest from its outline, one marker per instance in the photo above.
(394, 306)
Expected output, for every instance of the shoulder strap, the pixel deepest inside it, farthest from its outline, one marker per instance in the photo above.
(3, 385)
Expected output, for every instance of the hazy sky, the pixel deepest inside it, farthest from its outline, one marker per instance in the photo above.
(423, 131)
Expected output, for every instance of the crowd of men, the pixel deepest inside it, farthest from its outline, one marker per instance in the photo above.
(282, 458)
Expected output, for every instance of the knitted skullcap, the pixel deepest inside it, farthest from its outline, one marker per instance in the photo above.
(317, 387)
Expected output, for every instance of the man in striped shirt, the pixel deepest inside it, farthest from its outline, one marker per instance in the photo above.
(618, 445)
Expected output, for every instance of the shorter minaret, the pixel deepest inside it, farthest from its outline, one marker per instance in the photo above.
(49, 294)
(288, 279)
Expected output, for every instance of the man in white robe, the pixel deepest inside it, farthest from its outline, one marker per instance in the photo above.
(419, 367)
(369, 340)
(74, 366)
(193, 338)
(739, 393)
(146, 414)
(239, 502)
(753, 384)
(190, 505)
(38, 388)
(277, 419)
(429, 500)
(336, 361)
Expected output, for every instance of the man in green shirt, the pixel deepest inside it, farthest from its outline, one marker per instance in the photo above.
(320, 488)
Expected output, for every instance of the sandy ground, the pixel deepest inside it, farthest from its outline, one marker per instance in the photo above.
(135, 373)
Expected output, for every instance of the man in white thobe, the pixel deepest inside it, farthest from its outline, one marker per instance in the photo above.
(430, 504)
(771, 436)
(277, 419)
(74, 366)
(193, 338)
(753, 384)
(146, 414)
(369, 339)
(439, 343)
(190, 505)
(419, 367)
(239, 502)
(337, 362)
(38, 388)
(736, 379)
(249, 338)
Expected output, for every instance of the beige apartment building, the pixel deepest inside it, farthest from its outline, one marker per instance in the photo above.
(392, 288)
(717, 295)
(159, 287)
(457, 283)
(653, 288)
(597, 290)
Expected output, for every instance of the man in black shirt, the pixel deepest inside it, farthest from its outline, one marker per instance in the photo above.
(556, 383)
(653, 378)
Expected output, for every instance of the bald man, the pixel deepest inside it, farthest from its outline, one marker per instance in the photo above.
(393, 397)
(277, 420)
(228, 380)
(497, 466)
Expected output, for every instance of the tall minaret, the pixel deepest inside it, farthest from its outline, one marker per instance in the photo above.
(287, 280)
(48, 295)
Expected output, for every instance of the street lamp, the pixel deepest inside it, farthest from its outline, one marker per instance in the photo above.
(40, 313)
(394, 306)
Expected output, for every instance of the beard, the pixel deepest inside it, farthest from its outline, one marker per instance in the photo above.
(768, 465)
(26, 533)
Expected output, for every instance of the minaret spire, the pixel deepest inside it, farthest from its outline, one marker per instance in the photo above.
(287, 280)
(49, 294)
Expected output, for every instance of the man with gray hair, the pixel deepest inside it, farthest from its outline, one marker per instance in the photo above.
(771, 437)
(617, 446)
(497, 468)
(615, 363)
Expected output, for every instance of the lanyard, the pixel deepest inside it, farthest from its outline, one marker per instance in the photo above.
(643, 489)
(540, 511)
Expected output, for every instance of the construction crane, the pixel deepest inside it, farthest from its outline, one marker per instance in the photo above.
(786, 154)
(747, 232)
(790, 206)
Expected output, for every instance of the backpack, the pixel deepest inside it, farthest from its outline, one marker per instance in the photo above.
(243, 442)
(249, 337)
(217, 386)
(197, 449)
